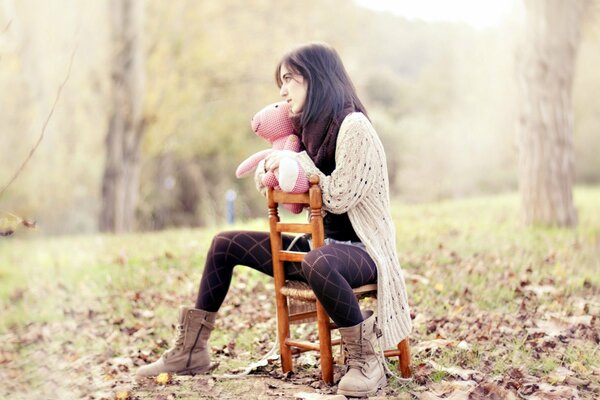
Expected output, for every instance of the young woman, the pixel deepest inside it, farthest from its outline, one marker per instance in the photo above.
(343, 149)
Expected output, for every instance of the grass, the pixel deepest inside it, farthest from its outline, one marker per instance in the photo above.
(471, 270)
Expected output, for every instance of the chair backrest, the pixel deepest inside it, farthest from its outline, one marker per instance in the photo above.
(315, 224)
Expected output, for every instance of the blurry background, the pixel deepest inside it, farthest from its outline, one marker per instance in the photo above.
(440, 90)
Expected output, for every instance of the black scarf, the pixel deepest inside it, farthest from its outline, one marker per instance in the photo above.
(319, 138)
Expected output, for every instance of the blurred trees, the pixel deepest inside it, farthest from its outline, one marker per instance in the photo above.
(546, 65)
(212, 67)
(441, 96)
(586, 108)
(120, 183)
(59, 188)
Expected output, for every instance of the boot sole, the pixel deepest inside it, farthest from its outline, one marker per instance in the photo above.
(352, 393)
(196, 371)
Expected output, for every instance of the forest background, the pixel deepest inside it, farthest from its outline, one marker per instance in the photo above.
(442, 96)
(147, 106)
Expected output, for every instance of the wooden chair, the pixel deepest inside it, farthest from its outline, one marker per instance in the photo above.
(285, 291)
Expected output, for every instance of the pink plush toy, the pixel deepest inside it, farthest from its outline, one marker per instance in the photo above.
(273, 124)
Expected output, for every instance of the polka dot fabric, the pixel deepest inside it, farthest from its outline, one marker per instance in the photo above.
(273, 121)
(273, 124)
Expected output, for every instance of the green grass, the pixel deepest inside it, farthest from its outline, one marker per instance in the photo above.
(85, 297)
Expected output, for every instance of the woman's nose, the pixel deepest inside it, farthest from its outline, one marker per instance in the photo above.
(283, 91)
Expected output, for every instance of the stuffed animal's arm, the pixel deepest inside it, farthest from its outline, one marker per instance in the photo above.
(289, 175)
(260, 176)
(292, 178)
(251, 162)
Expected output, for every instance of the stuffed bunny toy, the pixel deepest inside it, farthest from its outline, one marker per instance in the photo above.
(273, 124)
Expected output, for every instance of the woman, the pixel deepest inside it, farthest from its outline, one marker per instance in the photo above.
(343, 149)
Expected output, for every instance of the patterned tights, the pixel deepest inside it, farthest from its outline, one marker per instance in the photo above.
(331, 271)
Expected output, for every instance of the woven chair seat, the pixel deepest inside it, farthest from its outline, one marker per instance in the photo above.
(301, 291)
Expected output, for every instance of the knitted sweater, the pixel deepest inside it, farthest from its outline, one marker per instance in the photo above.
(359, 186)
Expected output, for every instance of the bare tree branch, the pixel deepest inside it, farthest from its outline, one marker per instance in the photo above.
(44, 126)
(7, 27)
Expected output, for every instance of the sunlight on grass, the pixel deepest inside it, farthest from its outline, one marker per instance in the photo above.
(470, 265)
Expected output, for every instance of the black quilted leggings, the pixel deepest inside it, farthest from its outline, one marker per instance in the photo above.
(331, 271)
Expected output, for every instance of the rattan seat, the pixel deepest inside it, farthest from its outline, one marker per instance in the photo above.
(301, 291)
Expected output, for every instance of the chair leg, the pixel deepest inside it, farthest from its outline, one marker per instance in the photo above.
(283, 330)
(325, 344)
(404, 359)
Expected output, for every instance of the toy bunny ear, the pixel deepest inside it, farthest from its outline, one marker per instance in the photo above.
(250, 163)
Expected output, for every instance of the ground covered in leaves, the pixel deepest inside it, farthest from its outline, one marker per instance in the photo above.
(499, 310)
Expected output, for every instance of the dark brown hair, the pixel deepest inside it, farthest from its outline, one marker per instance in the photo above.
(329, 86)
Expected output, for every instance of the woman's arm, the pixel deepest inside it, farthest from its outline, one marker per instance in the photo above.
(356, 159)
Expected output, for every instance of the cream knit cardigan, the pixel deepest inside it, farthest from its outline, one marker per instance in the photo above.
(359, 186)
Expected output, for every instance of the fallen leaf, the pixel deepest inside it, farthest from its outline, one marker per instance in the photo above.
(122, 395)
(318, 396)
(5, 357)
(450, 390)
(8, 226)
(415, 278)
(206, 385)
(163, 378)
(465, 374)
(551, 327)
(307, 359)
(490, 391)
(126, 361)
(559, 375)
(463, 345)
(28, 223)
(585, 320)
(421, 373)
(139, 313)
(573, 381)
(555, 325)
(579, 367)
(431, 345)
(544, 391)
(540, 290)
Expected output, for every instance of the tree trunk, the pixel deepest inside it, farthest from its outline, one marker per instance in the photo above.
(120, 184)
(545, 64)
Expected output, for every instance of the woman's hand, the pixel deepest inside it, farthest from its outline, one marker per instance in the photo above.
(272, 161)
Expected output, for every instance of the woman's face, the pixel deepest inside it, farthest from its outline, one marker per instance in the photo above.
(293, 89)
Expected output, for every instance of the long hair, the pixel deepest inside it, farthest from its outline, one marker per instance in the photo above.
(330, 89)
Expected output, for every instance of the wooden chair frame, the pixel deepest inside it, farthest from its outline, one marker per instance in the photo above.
(314, 226)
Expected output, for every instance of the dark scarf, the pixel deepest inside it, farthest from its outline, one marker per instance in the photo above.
(319, 138)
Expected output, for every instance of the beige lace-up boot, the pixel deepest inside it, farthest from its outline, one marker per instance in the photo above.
(365, 371)
(190, 355)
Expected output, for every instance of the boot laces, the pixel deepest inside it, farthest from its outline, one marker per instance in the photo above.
(385, 362)
(178, 340)
(354, 356)
(180, 336)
